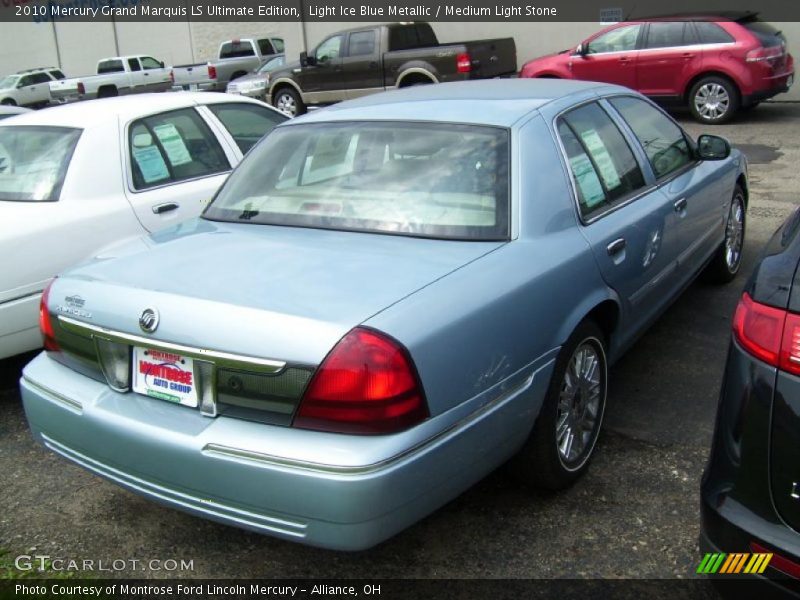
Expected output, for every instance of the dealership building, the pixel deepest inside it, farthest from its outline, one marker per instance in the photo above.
(76, 47)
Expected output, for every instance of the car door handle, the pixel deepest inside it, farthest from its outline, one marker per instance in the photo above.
(616, 246)
(687, 55)
(160, 209)
(624, 59)
(680, 205)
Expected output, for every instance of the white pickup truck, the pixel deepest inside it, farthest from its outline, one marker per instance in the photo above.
(116, 76)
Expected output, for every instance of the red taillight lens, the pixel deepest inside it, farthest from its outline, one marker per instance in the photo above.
(762, 54)
(777, 561)
(367, 384)
(212, 72)
(81, 88)
(759, 328)
(790, 346)
(45, 323)
(463, 63)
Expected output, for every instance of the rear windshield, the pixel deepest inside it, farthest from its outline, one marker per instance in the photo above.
(110, 66)
(236, 49)
(767, 34)
(34, 161)
(428, 180)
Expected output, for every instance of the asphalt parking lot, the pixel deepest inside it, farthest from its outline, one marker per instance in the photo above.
(634, 515)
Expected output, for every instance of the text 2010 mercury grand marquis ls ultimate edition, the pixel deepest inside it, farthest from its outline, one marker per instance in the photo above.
(386, 301)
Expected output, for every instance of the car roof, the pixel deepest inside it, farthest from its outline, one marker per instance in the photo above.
(126, 108)
(498, 102)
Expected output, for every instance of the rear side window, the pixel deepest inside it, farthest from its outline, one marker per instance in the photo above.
(110, 66)
(171, 147)
(663, 141)
(362, 43)
(133, 64)
(669, 35)
(711, 33)
(621, 39)
(247, 123)
(407, 37)
(57, 74)
(235, 49)
(34, 161)
(603, 166)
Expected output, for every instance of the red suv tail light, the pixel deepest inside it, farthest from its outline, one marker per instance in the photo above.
(762, 54)
(367, 384)
(45, 322)
(212, 72)
(463, 63)
(770, 334)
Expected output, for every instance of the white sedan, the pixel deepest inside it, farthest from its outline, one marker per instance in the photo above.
(76, 179)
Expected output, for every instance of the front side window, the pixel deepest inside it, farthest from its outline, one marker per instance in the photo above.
(34, 161)
(603, 166)
(621, 39)
(278, 44)
(663, 141)
(668, 35)
(40, 78)
(171, 147)
(362, 43)
(330, 49)
(428, 180)
(25, 81)
(9, 83)
(247, 123)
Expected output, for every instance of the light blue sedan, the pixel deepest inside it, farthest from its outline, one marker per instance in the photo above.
(387, 300)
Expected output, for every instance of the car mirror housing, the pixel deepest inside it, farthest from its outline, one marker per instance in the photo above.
(713, 147)
(306, 60)
(580, 50)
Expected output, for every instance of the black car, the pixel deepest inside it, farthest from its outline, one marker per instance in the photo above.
(750, 492)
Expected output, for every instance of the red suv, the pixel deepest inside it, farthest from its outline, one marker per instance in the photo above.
(714, 65)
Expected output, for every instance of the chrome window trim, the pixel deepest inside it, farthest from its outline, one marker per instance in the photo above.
(634, 195)
(218, 357)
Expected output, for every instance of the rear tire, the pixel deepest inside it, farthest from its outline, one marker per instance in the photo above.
(728, 259)
(107, 92)
(288, 101)
(713, 100)
(561, 444)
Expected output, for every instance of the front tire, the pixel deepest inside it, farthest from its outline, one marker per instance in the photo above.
(8, 102)
(288, 101)
(713, 100)
(728, 259)
(562, 441)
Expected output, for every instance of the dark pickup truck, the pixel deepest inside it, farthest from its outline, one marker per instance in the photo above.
(370, 59)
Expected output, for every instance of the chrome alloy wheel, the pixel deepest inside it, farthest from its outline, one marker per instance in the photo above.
(712, 101)
(734, 234)
(580, 404)
(286, 104)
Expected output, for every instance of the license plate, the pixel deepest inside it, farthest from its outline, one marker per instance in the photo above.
(164, 375)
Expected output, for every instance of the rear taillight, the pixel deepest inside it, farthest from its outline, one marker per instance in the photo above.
(212, 72)
(81, 88)
(367, 384)
(776, 561)
(762, 54)
(45, 322)
(463, 63)
(770, 334)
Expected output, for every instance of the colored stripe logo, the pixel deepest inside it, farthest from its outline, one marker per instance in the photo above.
(722, 563)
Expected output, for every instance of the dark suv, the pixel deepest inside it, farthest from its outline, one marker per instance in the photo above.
(713, 65)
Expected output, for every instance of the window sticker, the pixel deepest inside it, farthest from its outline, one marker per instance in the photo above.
(171, 140)
(601, 158)
(587, 180)
(150, 163)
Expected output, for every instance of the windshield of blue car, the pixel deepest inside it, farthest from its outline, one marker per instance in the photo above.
(34, 161)
(437, 180)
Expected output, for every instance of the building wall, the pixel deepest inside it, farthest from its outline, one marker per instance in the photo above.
(76, 47)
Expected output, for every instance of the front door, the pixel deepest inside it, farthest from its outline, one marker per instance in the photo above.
(323, 81)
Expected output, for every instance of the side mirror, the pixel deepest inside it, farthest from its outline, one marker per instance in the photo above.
(581, 50)
(19, 85)
(713, 147)
(306, 60)
(162, 64)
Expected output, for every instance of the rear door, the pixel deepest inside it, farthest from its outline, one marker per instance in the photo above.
(630, 225)
(670, 57)
(611, 56)
(174, 165)
(699, 191)
(135, 69)
(361, 67)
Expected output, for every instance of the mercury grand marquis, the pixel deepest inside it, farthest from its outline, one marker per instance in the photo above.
(386, 301)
